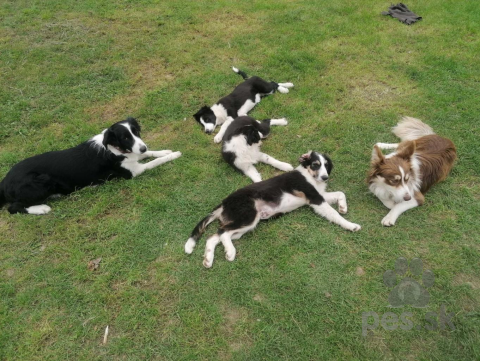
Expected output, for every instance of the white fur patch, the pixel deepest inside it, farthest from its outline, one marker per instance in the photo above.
(38, 210)
(220, 113)
(246, 107)
(190, 245)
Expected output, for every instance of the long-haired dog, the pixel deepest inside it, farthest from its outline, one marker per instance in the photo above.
(114, 153)
(241, 146)
(239, 102)
(401, 179)
(241, 211)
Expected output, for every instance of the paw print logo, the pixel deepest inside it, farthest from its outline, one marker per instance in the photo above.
(408, 291)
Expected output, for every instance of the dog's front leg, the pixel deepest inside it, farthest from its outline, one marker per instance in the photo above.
(326, 211)
(251, 172)
(154, 154)
(265, 158)
(397, 210)
(387, 145)
(138, 168)
(218, 138)
(337, 198)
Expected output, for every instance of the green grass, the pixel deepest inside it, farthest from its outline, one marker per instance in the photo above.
(68, 69)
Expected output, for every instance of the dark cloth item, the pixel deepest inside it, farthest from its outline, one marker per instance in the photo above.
(401, 12)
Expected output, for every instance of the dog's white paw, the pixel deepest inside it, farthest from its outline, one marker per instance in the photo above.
(282, 89)
(389, 220)
(39, 210)
(342, 208)
(286, 85)
(218, 138)
(207, 263)
(281, 121)
(285, 167)
(189, 246)
(230, 254)
(354, 227)
(175, 155)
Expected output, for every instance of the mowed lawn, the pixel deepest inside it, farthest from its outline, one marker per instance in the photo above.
(299, 285)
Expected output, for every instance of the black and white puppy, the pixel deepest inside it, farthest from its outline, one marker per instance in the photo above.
(241, 146)
(241, 211)
(114, 153)
(239, 102)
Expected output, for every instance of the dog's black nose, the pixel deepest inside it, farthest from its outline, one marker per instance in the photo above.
(324, 177)
(143, 149)
(209, 131)
(407, 197)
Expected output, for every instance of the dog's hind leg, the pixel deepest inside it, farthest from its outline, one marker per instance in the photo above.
(210, 250)
(265, 158)
(281, 121)
(266, 88)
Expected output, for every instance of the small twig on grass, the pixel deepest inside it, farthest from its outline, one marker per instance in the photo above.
(105, 336)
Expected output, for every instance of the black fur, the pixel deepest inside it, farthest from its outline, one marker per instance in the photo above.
(236, 99)
(34, 179)
(248, 127)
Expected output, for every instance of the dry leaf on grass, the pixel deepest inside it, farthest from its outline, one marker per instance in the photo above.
(94, 264)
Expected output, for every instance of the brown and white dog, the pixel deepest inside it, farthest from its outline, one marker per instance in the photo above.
(401, 179)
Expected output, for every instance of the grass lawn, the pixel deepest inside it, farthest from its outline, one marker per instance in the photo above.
(299, 285)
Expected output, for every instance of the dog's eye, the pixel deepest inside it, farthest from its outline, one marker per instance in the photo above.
(315, 166)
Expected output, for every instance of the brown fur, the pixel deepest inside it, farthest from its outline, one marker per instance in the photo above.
(435, 154)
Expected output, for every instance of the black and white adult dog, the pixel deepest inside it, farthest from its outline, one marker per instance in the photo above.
(114, 153)
(241, 211)
(241, 146)
(239, 102)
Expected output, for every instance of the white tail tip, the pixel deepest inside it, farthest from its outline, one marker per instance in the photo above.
(234, 69)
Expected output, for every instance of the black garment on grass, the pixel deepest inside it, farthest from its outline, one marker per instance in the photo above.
(401, 12)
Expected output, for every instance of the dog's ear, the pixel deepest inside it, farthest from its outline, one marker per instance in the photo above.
(305, 159)
(109, 137)
(377, 155)
(198, 114)
(134, 123)
(253, 136)
(407, 150)
(329, 163)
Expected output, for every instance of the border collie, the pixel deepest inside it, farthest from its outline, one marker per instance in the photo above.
(401, 179)
(112, 154)
(241, 146)
(239, 102)
(241, 211)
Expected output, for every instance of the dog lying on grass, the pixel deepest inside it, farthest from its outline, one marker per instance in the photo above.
(241, 211)
(238, 103)
(114, 153)
(401, 179)
(241, 146)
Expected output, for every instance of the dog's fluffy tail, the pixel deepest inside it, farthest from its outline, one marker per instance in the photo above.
(411, 129)
(239, 72)
(200, 228)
